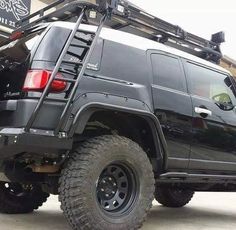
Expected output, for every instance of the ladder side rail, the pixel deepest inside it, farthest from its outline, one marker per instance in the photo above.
(81, 74)
(54, 73)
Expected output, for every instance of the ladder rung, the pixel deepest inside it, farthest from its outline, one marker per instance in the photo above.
(72, 62)
(68, 72)
(75, 55)
(56, 99)
(83, 39)
(80, 46)
(85, 31)
(65, 79)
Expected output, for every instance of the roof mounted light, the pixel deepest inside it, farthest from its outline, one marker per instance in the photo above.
(121, 9)
(218, 37)
(92, 14)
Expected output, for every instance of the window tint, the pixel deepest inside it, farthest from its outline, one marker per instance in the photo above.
(167, 72)
(52, 44)
(76, 53)
(54, 41)
(210, 84)
(18, 50)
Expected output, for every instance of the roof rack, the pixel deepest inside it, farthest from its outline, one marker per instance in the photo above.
(130, 18)
(4, 34)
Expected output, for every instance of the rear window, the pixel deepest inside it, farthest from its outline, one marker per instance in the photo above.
(14, 63)
(16, 52)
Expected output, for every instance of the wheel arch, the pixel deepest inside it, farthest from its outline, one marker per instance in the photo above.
(130, 118)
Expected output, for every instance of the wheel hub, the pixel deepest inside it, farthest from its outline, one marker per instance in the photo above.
(107, 187)
(115, 188)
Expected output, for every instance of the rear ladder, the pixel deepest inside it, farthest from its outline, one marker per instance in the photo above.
(88, 49)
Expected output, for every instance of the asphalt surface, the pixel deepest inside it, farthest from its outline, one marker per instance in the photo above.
(207, 211)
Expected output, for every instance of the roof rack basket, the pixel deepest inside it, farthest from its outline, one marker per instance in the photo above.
(130, 18)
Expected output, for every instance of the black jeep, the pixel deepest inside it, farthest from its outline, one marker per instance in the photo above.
(108, 119)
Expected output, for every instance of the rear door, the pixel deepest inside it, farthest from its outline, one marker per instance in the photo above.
(14, 64)
(214, 120)
(173, 107)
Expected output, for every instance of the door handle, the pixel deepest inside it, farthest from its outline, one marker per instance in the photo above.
(203, 111)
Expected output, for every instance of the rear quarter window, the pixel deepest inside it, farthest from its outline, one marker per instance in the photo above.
(54, 41)
(52, 44)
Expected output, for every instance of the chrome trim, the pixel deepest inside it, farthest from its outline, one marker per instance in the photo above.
(203, 111)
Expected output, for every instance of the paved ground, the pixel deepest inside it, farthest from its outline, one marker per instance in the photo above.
(207, 211)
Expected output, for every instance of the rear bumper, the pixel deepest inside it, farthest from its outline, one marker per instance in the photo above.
(14, 141)
(16, 113)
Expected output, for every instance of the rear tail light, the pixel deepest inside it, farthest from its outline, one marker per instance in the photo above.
(36, 80)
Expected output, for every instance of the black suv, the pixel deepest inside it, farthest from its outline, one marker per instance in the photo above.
(108, 120)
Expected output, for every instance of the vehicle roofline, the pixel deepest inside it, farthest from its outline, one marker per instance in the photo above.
(141, 43)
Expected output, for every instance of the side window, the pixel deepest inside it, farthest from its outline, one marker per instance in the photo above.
(51, 47)
(75, 52)
(167, 72)
(207, 83)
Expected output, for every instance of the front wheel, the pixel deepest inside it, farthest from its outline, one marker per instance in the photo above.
(108, 183)
(16, 198)
(173, 197)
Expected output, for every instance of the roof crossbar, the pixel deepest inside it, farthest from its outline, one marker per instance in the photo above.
(4, 34)
(130, 18)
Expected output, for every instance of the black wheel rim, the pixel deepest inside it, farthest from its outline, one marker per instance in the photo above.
(117, 189)
(16, 190)
(179, 192)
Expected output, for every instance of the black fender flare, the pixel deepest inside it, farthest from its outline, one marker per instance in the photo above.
(89, 103)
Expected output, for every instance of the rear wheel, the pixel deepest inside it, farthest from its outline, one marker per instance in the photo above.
(16, 198)
(107, 184)
(173, 198)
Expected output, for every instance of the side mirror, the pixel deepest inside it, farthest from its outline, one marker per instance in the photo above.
(225, 106)
(223, 101)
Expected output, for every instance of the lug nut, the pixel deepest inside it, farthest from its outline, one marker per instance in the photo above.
(102, 189)
(113, 192)
(107, 195)
(109, 178)
(114, 184)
